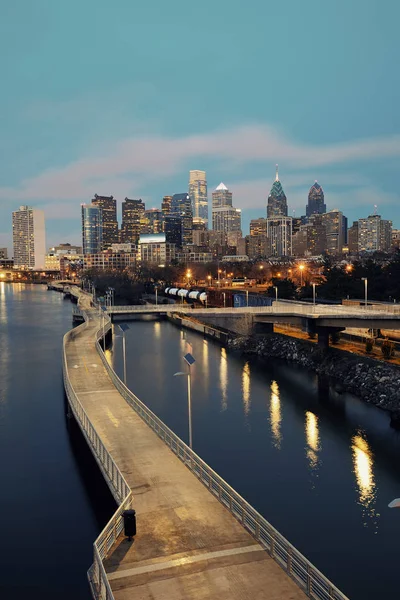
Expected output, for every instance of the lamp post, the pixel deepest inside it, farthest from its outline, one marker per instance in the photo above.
(365, 280)
(301, 267)
(276, 293)
(123, 327)
(313, 293)
(156, 289)
(247, 297)
(188, 358)
(224, 295)
(103, 310)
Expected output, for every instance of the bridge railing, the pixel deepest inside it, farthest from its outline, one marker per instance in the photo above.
(120, 489)
(302, 571)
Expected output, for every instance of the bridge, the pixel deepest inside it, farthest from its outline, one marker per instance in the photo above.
(320, 319)
(197, 537)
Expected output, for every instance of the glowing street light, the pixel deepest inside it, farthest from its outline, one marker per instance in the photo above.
(365, 280)
(189, 361)
(313, 292)
(301, 267)
(276, 292)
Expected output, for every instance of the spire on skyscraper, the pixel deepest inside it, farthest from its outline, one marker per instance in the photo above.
(276, 174)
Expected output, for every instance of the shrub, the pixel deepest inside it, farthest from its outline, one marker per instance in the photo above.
(387, 348)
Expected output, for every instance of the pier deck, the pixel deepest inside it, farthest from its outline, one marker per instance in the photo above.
(188, 546)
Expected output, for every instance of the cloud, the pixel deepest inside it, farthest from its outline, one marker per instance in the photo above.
(133, 163)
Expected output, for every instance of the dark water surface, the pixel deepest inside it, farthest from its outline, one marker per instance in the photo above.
(53, 499)
(321, 467)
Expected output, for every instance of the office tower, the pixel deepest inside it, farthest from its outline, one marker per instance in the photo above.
(108, 205)
(310, 239)
(374, 234)
(277, 203)
(353, 238)
(181, 206)
(166, 205)
(29, 239)
(315, 200)
(227, 219)
(155, 249)
(279, 236)
(173, 230)
(199, 233)
(3, 254)
(335, 224)
(132, 216)
(153, 221)
(92, 229)
(198, 194)
(221, 196)
(395, 240)
(258, 226)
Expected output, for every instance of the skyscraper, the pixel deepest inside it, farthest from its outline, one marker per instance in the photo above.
(315, 203)
(29, 240)
(153, 221)
(374, 234)
(92, 229)
(277, 203)
(166, 205)
(108, 205)
(221, 196)
(279, 236)
(173, 230)
(198, 194)
(336, 231)
(132, 215)
(181, 206)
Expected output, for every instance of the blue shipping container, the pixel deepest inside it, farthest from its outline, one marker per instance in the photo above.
(240, 300)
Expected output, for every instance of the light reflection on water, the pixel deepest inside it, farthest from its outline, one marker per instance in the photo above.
(223, 379)
(313, 440)
(246, 388)
(363, 466)
(275, 415)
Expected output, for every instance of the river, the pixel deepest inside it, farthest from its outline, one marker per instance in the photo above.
(320, 466)
(53, 499)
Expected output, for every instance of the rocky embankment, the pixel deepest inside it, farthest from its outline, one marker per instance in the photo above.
(375, 381)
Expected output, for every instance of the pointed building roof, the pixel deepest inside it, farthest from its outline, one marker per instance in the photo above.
(221, 186)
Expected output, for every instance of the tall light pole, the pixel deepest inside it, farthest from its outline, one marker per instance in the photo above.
(188, 358)
(224, 295)
(301, 267)
(247, 297)
(313, 293)
(276, 292)
(123, 327)
(156, 289)
(103, 309)
(365, 280)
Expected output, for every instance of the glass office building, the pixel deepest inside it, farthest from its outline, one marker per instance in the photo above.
(92, 229)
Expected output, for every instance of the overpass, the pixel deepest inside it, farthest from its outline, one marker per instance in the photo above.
(197, 537)
(319, 319)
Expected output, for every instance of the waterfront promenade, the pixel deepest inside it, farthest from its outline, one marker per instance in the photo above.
(188, 545)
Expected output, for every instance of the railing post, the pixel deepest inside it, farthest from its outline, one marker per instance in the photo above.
(309, 582)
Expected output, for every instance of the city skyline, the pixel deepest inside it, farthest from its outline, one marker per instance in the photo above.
(100, 122)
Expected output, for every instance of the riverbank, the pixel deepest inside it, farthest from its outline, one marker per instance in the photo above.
(375, 382)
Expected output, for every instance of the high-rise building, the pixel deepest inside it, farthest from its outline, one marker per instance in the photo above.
(132, 217)
(92, 229)
(395, 240)
(374, 234)
(310, 239)
(227, 219)
(173, 230)
(155, 249)
(153, 219)
(166, 205)
(198, 194)
(277, 203)
(353, 238)
(3, 254)
(181, 206)
(29, 239)
(316, 203)
(108, 205)
(279, 236)
(336, 230)
(258, 226)
(221, 196)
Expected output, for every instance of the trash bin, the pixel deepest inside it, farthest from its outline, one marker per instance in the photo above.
(129, 523)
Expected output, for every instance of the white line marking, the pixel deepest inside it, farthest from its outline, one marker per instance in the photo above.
(186, 560)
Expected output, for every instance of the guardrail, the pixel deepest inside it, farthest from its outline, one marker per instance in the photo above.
(97, 576)
(302, 571)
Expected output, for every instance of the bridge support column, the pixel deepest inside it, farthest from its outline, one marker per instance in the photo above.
(323, 338)
(261, 327)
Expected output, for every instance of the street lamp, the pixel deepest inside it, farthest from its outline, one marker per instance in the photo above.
(224, 295)
(301, 267)
(313, 292)
(123, 327)
(247, 297)
(276, 293)
(365, 280)
(103, 310)
(188, 358)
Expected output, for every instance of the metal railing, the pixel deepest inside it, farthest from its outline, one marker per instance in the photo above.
(302, 571)
(121, 491)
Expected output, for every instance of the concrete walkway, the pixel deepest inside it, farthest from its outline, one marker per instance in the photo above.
(188, 546)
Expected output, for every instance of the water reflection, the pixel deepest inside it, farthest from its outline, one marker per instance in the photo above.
(275, 415)
(108, 355)
(246, 388)
(157, 330)
(205, 359)
(363, 469)
(313, 441)
(223, 379)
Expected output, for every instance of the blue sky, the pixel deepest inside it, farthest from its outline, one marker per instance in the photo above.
(124, 98)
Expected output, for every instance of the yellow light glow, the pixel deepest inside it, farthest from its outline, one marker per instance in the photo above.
(209, 277)
(275, 415)
(301, 267)
(2, 275)
(312, 437)
(157, 329)
(279, 274)
(246, 388)
(223, 379)
(349, 268)
(363, 469)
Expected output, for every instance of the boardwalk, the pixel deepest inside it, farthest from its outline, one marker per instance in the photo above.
(188, 546)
